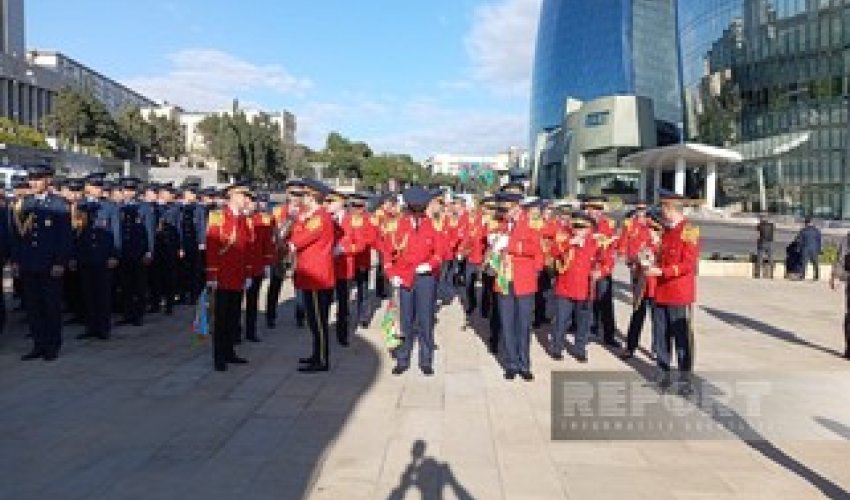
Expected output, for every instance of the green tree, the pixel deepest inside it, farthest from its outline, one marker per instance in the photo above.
(168, 139)
(20, 135)
(246, 149)
(70, 118)
(137, 134)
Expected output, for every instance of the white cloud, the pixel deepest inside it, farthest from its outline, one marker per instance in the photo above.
(211, 79)
(501, 45)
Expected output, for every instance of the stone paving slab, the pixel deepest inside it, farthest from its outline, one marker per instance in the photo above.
(144, 416)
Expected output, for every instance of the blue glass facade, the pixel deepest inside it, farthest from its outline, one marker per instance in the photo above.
(588, 49)
(771, 72)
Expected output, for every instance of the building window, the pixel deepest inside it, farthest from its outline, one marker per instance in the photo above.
(596, 119)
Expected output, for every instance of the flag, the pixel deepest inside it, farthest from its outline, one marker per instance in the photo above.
(391, 322)
(201, 325)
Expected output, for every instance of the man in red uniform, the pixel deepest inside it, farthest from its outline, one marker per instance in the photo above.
(261, 228)
(364, 234)
(471, 248)
(644, 289)
(603, 307)
(228, 272)
(516, 284)
(574, 254)
(313, 239)
(283, 216)
(676, 291)
(348, 246)
(633, 237)
(413, 265)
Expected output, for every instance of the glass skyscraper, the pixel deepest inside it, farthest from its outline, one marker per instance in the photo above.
(774, 74)
(588, 49)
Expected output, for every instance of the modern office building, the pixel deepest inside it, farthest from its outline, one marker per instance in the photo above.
(771, 78)
(592, 49)
(29, 81)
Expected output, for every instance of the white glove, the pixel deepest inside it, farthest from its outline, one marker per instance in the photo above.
(267, 271)
(423, 268)
(212, 285)
(459, 258)
(491, 238)
(396, 282)
(202, 247)
(248, 283)
(338, 251)
(501, 243)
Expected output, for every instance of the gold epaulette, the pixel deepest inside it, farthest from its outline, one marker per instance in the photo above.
(390, 226)
(216, 218)
(314, 223)
(536, 224)
(356, 221)
(267, 219)
(690, 234)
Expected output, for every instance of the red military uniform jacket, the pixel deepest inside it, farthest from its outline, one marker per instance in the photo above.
(352, 242)
(261, 228)
(228, 259)
(314, 237)
(573, 265)
(526, 257)
(678, 262)
(635, 236)
(408, 246)
(473, 242)
(605, 242)
(365, 235)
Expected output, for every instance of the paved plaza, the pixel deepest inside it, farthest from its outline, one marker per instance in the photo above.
(144, 416)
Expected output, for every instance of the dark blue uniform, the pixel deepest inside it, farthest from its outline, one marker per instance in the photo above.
(810, 247)
(136, 245)
(191, 266)
(168, 244)
(5, 250)
(96, 252)
(41, 242)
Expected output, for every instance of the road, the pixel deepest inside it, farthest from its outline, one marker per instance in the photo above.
(725, 238)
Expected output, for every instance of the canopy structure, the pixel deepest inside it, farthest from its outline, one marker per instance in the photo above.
(679, 157)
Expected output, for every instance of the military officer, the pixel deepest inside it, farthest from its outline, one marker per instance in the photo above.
(168, 248)
(365, 233)
(228, 272)
(136, 252)
(644, 288)
(574, 253)
(261, 251)
(413, 265)
(284, 216)
(41, 247)
(473, 243)
(676, 291)
(603, 305)
(192, 222)
(521, 258)
(345, 252)
(312, 241)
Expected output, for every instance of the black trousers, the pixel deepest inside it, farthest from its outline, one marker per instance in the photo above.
(273, 297)
(252, 298)
(227, 305)
(674, 326)
(361, 281)
(42, 296)
(603, 309)
(343, 309)
(133, 285)
(97, 298)
(73, 294)
(381, 284)
(487, 294)
(847, 321)
(543, 285)
(471, 278)
(636, 323)
(317, 306)
(165, 269)
(189, 275)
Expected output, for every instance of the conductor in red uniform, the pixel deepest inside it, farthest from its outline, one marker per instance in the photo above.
(228, 272)
(313, 240)
(676, 290)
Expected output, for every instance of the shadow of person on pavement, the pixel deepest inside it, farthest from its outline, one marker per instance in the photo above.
(739, 321)
(429, 476)
(835, 426)
(749, 435)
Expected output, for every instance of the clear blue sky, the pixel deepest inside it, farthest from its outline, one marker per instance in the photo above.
(417, 76)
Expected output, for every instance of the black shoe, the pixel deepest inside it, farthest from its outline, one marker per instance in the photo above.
(103, 336)
(73, 321)
(557, 356)
(313, 368)
(271, 324)
(427, 371)
(169, 311)
(364, 324)
(343, 342)
(626, 355)
(138, 323)
(51, 356)
(221, 367)
(154, 310)
(581, 358)
(494, 349)
(85, 336)
(663, 380)
(612, 343)
(236, 360)
(400, 369)
(527, 376)
(254, 339)
(32, 355)
(847, 354)
(510, 375)
(308, 361)
(237, 341)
